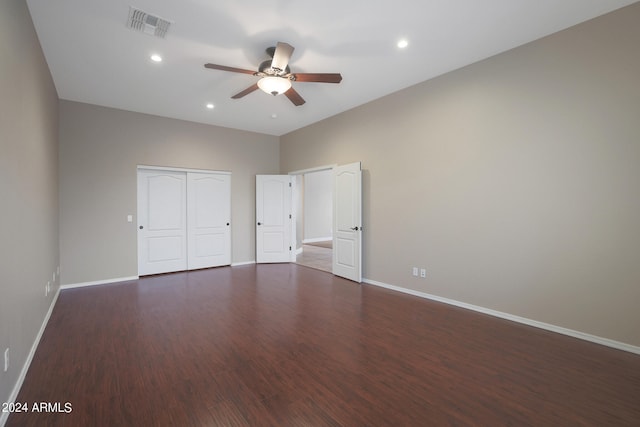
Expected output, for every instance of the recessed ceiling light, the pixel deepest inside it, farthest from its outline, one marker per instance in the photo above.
(210, 106)
(402, 43)
(156, 58)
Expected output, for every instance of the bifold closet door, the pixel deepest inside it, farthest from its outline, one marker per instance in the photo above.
(184, 220)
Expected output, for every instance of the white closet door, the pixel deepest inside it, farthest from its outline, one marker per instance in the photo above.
(208, 220)
(162, 221)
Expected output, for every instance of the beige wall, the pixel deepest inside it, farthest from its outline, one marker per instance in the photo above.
(28, 189)
(99, 151)
(514, 181)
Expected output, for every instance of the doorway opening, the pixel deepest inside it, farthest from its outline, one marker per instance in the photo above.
(279, 206)
(314, 218)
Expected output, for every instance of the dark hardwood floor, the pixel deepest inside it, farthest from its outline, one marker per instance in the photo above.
(287, 345)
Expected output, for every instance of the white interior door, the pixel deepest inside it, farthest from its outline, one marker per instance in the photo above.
(347, 221)
(208, 220)
(274, 219)
(162, 221)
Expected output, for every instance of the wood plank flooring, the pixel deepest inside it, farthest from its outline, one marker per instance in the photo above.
(287, 345)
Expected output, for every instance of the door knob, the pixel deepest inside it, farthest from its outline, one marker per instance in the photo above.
(141, 227)
(355, 228)
(259, 223)
(227, 223)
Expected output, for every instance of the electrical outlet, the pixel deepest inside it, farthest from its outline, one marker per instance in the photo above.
(6, 359)
(423, 273)
(415, 271)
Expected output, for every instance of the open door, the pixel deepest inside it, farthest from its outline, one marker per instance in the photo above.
(274, 219)
(347, 221)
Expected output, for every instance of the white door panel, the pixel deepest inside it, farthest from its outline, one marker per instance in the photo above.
(346, 253)
(273, 218)
(274, 242)
(165, 195)
(165, 249)
(347, 232)
(161, 222)
(209, 219)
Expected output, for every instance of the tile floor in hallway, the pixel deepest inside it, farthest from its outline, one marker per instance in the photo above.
(316, 257)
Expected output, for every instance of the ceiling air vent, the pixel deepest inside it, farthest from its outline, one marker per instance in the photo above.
(147, 23)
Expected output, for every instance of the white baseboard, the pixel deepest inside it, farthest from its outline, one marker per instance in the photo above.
(124, 279)
(235, 264)
(553, 328)
(317, 239)
(99, 282)
(4, 416)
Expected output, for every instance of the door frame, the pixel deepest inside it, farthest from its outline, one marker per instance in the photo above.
(294, 214)
(294, 202)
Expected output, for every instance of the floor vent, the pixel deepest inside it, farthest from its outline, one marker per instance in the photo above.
(147, 23)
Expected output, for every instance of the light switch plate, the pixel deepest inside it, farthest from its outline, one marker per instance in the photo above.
(129, 218)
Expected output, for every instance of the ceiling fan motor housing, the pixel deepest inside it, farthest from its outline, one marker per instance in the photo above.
(265, 68)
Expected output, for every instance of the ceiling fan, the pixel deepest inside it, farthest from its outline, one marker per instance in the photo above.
(276, 77)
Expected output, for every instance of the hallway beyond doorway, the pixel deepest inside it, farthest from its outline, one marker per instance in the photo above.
(317, 255)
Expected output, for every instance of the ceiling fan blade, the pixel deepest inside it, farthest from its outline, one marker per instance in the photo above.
(281, 56)
(318, 77)
(247, 91)
(225, 68)
(294, 97)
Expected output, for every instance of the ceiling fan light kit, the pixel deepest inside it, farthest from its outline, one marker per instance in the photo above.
(274, 85)
(276, 77)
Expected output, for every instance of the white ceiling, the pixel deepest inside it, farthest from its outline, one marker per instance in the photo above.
(94, 58)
